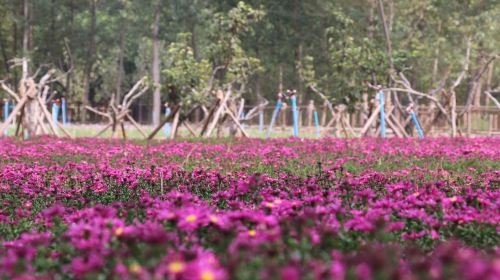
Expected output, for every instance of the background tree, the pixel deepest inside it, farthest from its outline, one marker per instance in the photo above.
(109, 45)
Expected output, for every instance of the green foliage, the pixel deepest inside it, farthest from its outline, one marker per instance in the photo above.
(354, 63)
(305, 70)
(225, 36)
(184, 76)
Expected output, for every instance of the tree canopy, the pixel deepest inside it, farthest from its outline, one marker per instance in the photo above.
(336, 45)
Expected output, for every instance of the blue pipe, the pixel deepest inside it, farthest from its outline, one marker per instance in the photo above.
(295, 116)
(64, 113)
(273, 120)
(242, 117)
(382, 114)
(6, 116)
(316, 123)
(417, 125)
(168, 126)
(55, 112)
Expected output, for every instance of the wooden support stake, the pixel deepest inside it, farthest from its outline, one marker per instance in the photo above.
(398, 124)
(47, 116)
(393, 127)
(175, 125)
(166, 120)
(189, 128)
(390, 123)
(14, 112)
(324, 113)
(495, 101)
(61, 127)
(209, 117)
(51, 124)
(107, 126)
(342, 125)
(124, 134)
(218, 112)
(349, 127)
(42, 125)
(136, 125)
(332, 121)
(19, 121)
(235, 120)
(370, 121)
(97, 112)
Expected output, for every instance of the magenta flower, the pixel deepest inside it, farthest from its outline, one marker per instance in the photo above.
(192, 218)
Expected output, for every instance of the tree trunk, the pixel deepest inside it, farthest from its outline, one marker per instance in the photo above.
(15, 41)
(69, 76)
(30, 121)
(156, 66)
(52, 36)
(298, 67)
(388, 42)
(90, 62)
(194, 44)
(280, 77)
(435, 66)
(387, 34)
(26, 36)
(119, 78)
(478, 84)
(310, 112)
(489, 77)
(4, 53)
(453, 114)
(371, 19)
(477, 95)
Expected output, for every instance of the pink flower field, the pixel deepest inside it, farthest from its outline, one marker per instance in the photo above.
(250, 209)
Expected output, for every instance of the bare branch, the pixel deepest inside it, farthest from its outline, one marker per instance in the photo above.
(139, 94)
(45, 78)
(10, 91)
(465, 67)
(107, 115)
(473, 85)
(328, 103)
(133, 90)
(442, 84)
(47, 65)
(430, 97)
(253, 112)
(495, 101)
(212, 78)
(70, 57)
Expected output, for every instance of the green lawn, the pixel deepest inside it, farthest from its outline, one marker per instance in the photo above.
(133, 133)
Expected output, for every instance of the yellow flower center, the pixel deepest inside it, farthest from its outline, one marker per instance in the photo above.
(453, 199)
(214, 219)
(252, 232)
(119, 231)
(191, 218)
(176, 267)
(277, 201)
(269, 204)
(207, 275)
(135, 268)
